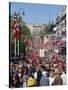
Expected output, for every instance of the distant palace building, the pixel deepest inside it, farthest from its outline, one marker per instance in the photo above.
(35, 28)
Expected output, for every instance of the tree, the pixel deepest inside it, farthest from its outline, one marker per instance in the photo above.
(24, 30)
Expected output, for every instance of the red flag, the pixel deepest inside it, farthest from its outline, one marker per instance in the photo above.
(16, 27)
(17, 31)
(15, 21)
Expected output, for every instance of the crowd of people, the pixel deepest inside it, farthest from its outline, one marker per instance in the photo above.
(28, 73)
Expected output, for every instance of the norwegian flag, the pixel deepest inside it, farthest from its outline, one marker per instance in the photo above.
(17, 31)
(16, 27)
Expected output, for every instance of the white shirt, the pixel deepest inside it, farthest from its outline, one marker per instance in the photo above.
(51, 80)
(35, 75)
(63, 76)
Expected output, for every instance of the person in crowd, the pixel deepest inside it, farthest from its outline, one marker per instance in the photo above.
(24, 79)
(44, 79)
(35, 75)
(63, 76)
(31, 81)
(39, 75)
(51, 78)
(57, 78)
(16, 81)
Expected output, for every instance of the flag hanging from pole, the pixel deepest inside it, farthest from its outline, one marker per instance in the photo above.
(16, 31)
(15, 22)
(16, 27)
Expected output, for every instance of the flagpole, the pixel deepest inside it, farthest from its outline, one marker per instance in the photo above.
(15, 47)
(18, 47)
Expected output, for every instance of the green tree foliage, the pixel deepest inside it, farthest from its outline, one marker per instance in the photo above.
(24, 30)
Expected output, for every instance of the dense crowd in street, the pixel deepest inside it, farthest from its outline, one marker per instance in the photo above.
(25, 73)
(35, 70)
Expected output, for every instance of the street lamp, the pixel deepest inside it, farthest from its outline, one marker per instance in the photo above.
(20, 13)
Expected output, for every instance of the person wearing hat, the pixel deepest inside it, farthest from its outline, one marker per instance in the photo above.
(44, 80)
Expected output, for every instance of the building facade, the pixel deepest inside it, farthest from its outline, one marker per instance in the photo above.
(61, 29)
(61, 24)
(36, 27)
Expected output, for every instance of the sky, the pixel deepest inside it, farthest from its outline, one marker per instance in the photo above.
(36, 13)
